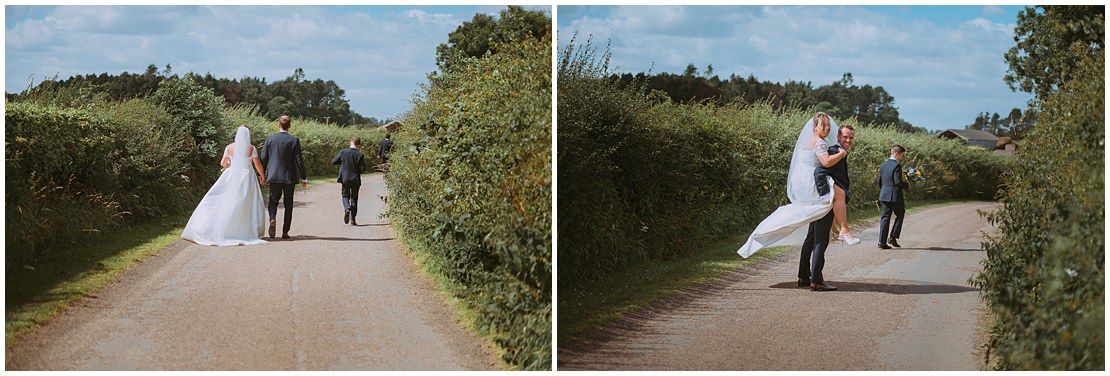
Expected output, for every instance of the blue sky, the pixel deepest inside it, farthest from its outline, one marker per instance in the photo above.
(942, 64)
(377, 54)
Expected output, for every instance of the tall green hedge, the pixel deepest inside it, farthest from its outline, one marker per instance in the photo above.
(75, 173)
(1044, 275)
(641, 177)
(470, 190)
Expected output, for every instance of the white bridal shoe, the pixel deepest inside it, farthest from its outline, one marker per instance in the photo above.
(850, 241)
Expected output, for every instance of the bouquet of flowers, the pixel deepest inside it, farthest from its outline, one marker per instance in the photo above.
(914, 175)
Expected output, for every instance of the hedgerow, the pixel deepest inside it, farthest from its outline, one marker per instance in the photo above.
(470, 190)
(1044, 275)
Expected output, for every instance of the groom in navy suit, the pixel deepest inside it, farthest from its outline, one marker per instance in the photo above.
(281, 154)
(812, 260)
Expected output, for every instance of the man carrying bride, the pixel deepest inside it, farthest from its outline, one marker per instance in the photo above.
(807, 219)
(812, 260)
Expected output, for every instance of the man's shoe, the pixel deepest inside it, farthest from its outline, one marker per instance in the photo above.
(894, 242)
(353, 222)
(273, 228)
(285, 236)
(821, 287)
(347, 216)
(803, 282)
(883, 246)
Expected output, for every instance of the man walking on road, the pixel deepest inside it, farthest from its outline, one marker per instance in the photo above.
(891, 183)
(383, 149)
(351, 166)
(281, 154)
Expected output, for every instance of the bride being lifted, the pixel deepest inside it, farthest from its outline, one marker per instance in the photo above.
(787, 225)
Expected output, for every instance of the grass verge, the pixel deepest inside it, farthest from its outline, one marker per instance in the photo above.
(592, 305)
(447, 289)
(35, 295)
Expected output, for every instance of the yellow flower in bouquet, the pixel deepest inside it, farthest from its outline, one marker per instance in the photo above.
(915, 175)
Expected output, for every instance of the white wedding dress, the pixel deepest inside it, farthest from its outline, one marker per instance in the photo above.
(232, 212)
(788, 225)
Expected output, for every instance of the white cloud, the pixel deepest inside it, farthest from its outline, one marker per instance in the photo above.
(29, 34)
(435, 19)
(993, 10)
(987, 25)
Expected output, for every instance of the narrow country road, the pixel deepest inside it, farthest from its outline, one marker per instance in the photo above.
(335, 297)
(908, 308)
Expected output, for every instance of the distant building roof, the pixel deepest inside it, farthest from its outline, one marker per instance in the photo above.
(969, 135)
(1003, 141)
(972, 137)
(392, 126)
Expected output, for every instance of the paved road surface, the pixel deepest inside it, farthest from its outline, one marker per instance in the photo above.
(335, 297)
(900, 309)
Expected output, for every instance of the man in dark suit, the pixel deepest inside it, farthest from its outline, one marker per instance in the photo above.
(351, 166)
(812, 261)
(281, 154)
(384, 147)
(891, 183)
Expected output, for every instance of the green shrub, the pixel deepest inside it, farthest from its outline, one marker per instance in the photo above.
(48, 197)
(73, 174)
(470, 190)
(199, 110)
(642, 177)
(154, 176)
(1044, 273)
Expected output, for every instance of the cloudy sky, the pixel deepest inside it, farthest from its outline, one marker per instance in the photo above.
(377, 54)
(942, 64)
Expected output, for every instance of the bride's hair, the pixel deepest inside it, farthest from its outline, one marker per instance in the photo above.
(821, 120)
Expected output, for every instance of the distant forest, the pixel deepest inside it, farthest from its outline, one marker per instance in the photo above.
(1014, 125)
(319, 100)
(841, 99)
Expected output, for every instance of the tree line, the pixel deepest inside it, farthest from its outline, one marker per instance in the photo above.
(296, 96)
(840, 99)
(1014, 125)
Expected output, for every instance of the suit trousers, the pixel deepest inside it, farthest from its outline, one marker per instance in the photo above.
(812, 261)
(349, 194)
(898, 208)
(277, 190)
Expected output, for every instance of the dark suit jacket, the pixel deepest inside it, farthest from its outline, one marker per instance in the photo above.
(384, 147)
(891, 181)
(351, 166)
(838, 172)
(281, 154)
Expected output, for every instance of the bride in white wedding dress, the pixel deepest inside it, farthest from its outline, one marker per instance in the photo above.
(787, 225)
(232, 212)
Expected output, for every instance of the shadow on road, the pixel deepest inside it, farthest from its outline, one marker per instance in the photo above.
(893, 287)
(310, 237)
(372, 224)
(943, 249)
